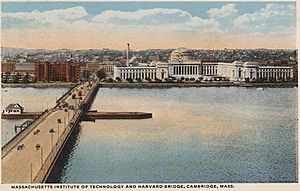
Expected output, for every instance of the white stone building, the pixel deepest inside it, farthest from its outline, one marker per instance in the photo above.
(182, 65)
(187, 69)
(157, 70)
(240, 71)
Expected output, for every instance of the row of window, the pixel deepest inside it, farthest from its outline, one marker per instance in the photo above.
(13, 110)
(141, 75)
(137, 70)
(210, 70)
(185, 70)
(274, 74)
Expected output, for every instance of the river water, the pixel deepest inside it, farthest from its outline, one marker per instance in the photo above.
(196, 135)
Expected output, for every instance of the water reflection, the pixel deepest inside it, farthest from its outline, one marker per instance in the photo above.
(62, 164)
(196, 135)
(32, 99)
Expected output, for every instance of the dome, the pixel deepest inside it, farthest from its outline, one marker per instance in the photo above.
(181, 54)
(181, 50)
(250, 64)
(238, 63)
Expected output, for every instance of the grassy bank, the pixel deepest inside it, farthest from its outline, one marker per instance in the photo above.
(190, 84)
(39, 85)
(155, 85)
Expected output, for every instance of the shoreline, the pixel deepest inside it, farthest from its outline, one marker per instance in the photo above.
(39, 85)
(158, 85)
(211, 84)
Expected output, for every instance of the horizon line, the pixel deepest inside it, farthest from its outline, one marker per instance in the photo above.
(261, 48)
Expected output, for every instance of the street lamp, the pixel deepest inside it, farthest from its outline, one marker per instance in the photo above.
(39, 147)
(31, 172)
(51, 131)
(66, 110)
(58, 122)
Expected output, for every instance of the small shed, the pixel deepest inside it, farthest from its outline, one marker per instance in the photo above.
(13, 108)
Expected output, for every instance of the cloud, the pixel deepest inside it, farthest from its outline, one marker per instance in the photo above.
(269, 14)
(145, 28)
(143, 17)
(157, 17)
(224, 11)
(54, 17)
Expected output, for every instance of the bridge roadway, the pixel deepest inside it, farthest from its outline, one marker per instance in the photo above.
(23, 164)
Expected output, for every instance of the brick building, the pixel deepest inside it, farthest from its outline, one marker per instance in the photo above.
(7, 67)
(57, 71)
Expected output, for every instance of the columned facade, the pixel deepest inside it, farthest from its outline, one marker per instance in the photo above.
(191, 69)
(143, 73)
(239, 71)
(275, 72)
(236, 71)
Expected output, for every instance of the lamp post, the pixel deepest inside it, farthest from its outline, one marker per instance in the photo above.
(51, 131)
(39, 147)
(31, 172)
(58, 122)
(66, 110)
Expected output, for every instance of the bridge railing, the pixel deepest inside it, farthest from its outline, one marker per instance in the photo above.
(16, 139)
(57, 148)
(66, 95)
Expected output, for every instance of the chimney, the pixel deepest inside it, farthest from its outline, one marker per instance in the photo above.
(128, 54)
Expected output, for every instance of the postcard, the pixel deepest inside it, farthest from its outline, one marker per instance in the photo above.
(149, 95)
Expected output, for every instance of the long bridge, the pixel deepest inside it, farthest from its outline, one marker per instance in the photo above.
(30, 156)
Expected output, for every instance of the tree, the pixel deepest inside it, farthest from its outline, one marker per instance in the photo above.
(101, 74)
(26, 78)
(148, 79)
(16, 78)
(118, 79)
(129, 80)
(4, 78)
(110, 80)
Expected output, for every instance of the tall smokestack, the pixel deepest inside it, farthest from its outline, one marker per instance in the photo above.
(128, 53)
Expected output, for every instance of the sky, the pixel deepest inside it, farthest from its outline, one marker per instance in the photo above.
(151, 25)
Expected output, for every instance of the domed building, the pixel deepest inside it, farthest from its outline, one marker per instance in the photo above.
(181, 54)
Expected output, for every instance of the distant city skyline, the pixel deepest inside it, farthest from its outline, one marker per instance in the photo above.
(151, 25)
